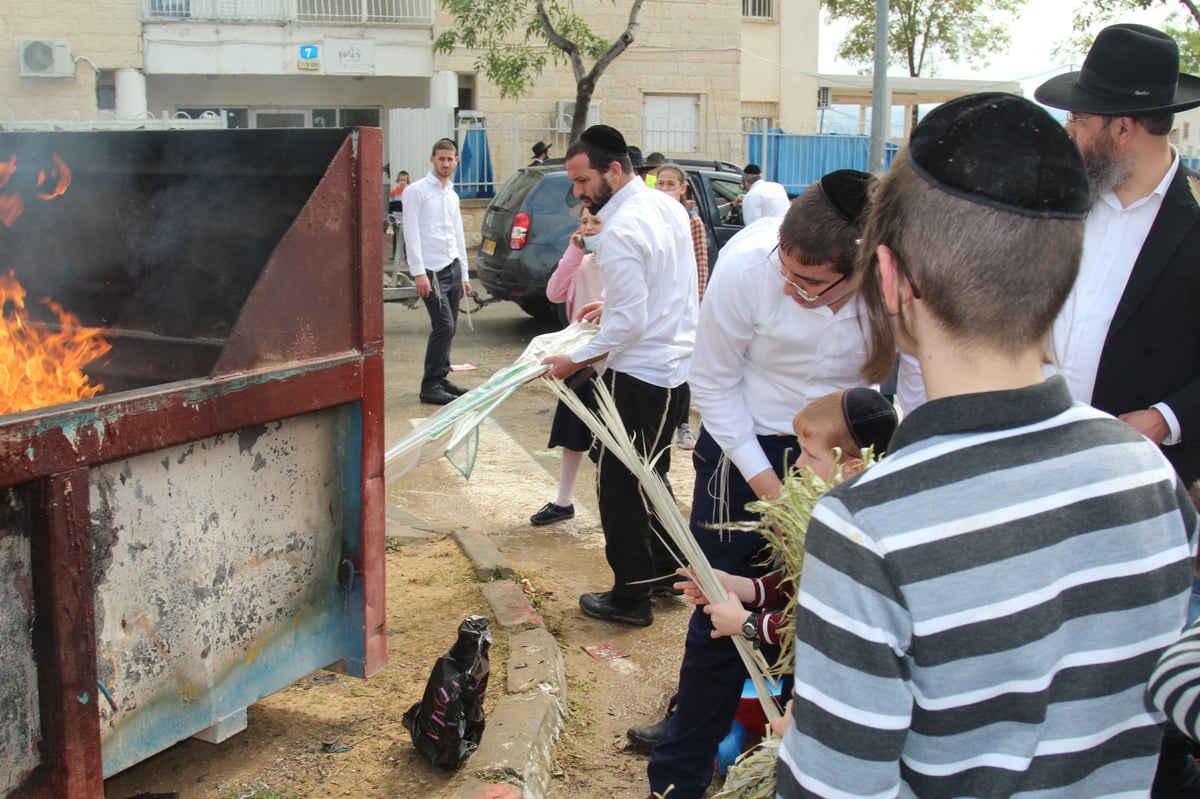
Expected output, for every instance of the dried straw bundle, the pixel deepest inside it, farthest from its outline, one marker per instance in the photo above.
(606, 424)
(783, 522)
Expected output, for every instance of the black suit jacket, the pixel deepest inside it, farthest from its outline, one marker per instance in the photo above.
(1152, 351)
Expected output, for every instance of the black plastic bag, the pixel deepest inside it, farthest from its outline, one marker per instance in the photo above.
(447, 724)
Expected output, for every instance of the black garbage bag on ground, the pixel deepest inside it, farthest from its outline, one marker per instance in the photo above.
(447, 724)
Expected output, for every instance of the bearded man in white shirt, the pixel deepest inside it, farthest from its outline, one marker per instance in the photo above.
(647, 331)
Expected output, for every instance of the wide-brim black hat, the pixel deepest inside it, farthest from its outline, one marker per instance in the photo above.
(541, 148)
(1129, 70)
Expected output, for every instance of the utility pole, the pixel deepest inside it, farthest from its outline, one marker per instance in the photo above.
(881, 99)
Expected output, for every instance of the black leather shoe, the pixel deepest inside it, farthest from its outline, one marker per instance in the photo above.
(450, 388)
(603, 607)
(437, 396)
(551, 513)
(648, 736)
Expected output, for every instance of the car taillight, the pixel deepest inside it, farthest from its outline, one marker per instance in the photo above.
(520, 231)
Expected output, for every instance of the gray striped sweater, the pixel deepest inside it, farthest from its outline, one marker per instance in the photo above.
(980, 612)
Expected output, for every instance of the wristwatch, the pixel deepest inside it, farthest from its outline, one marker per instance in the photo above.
(750, 627)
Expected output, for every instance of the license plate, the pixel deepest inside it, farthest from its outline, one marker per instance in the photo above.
(489, 247)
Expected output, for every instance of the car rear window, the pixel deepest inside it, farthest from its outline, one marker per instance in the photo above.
(551, 195)
(510, 196)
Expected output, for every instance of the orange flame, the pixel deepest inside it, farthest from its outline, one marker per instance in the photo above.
(11, 205)
(60, 173)
(40, 366)
(50, 184)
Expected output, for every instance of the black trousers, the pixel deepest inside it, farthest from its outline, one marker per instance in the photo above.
(442, 304)
(634, 552)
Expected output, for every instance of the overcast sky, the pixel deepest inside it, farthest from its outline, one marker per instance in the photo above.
(1041, 26)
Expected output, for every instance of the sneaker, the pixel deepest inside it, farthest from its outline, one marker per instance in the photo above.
(647, 736)
(450, 388)
(604, 607)
(684, 438)
(551, 513)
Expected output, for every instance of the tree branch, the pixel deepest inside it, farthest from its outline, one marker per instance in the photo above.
(1191, 7)
(561, 42)
(619, 45)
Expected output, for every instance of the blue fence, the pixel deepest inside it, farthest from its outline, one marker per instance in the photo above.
(796, 160)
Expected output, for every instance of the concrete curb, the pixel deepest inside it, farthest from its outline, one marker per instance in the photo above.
(514, 757)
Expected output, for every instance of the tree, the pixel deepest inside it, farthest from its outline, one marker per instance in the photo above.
(961, 30)
(511, 61)
(1094, 12)
(1186, 32)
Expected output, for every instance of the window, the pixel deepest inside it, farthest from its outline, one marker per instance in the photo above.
(758, 9)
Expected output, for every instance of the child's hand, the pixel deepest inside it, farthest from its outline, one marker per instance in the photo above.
(779, 726)
(689, 587)
(727, 617)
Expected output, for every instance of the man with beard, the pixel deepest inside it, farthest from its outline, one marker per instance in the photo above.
(647, 330)
(1126, 339)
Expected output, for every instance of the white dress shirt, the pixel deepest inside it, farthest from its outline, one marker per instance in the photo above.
(761, 356)
(765, 198)
(1112, 240)
(648, 326)
(433, 228)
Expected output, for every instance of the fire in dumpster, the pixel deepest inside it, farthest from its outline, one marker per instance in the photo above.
(52, 182)
(41, 365)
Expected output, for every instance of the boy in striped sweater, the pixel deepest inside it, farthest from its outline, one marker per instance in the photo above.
(979, 612)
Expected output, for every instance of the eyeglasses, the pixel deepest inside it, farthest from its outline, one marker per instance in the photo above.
(1077, 119)
(774, 260)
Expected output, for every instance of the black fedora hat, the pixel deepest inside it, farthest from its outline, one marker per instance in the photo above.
(1129, 70)
(541, 148)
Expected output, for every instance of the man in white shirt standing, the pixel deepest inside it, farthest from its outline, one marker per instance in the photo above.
(437, 260)
(762, 198)
(647, 331)
(780, 326)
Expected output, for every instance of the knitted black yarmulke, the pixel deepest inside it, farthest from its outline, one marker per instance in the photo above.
(1002, 151)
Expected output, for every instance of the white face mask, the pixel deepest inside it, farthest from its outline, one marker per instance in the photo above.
(590, 243)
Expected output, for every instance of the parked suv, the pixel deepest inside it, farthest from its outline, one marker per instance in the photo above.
(527, 227)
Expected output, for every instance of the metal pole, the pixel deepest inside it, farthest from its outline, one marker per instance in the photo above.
(881, 101)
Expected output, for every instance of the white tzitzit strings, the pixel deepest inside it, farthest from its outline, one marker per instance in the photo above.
(606, 424)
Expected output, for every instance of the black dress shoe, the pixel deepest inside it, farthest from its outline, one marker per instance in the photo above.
(437, 396)
(604, 607)
(648, 736)
(450, 388)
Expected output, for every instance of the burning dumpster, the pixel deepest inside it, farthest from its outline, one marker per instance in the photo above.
(202, 524)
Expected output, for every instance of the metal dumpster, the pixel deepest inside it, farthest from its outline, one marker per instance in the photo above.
(209, 528)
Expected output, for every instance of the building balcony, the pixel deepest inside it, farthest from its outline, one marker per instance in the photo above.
(404, 13)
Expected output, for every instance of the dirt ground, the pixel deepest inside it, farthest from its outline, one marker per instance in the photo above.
(330, 735)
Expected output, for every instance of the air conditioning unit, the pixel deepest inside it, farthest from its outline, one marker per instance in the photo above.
(823, 97)
(46, 58)
(564, 113)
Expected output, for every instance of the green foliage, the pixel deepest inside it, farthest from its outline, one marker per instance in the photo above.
(510, 37)
(1183, 26)
(961, 30)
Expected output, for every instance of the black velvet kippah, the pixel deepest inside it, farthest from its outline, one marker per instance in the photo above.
(870, 417)
(846, 192)
(752, 169)
(1001, 151)
(606, 138)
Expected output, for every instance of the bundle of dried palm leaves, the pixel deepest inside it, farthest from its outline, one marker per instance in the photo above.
(606, 424)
